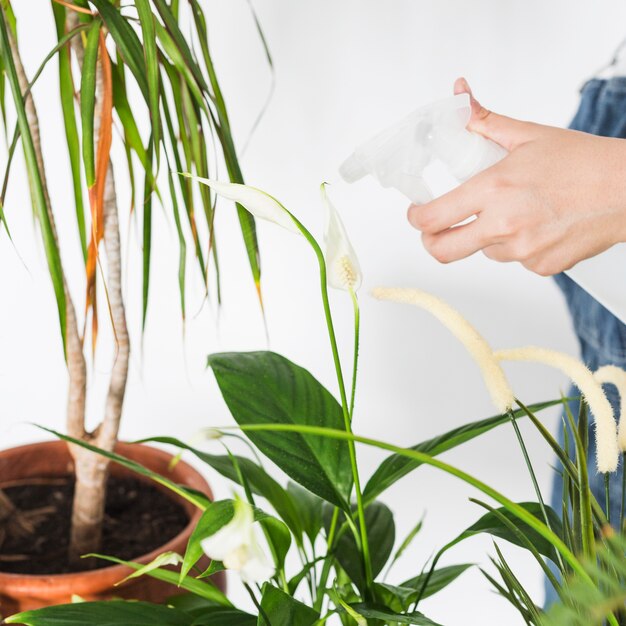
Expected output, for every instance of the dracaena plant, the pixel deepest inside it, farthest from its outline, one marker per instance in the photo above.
(337, 525)
(106, 49)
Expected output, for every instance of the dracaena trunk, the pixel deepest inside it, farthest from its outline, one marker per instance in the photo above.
(75, 359)
(92, 469)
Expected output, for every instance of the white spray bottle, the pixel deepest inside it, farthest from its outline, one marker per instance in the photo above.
(399, 156)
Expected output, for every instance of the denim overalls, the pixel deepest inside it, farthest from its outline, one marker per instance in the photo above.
(601, 335)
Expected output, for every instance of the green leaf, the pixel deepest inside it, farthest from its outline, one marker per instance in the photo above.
(66, 89)
(381, 535)
(224, 617)
(147, 238)
(260, 482)
(309, 508)
(439, 579)
(266, 388)
(126, 40)
(200, 588)
(395, 467)
(147, 20)
(163, 559)
(382, 613)
(492, 525)
(283, 610)
(112, 613)
(193, 496)
(88, 101)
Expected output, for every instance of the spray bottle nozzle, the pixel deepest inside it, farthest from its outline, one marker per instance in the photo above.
(398, 156)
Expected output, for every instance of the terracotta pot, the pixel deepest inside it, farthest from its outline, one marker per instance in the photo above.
(20, 592)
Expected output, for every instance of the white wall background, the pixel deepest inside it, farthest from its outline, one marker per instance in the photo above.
(343, 69)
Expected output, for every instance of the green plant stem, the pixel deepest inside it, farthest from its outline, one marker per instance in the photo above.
(513, 507)
(321, 586)
(533, 478)
(623, 508)
(607, 497)
(344, 403)
(257, 604)
(357, 333)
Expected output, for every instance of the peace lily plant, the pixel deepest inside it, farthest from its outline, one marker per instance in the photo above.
(335, 522)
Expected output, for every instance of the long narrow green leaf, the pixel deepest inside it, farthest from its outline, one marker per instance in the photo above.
(246, 220)
(147, 238)
(66, 88)
(147, 20)
(88, 101)
(171, 24)
(196, 498)
(184, 183)
(126, 40)
(38, 195)
(198, 587)
(396, 466)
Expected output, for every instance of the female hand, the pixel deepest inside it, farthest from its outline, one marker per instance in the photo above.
(559, 197)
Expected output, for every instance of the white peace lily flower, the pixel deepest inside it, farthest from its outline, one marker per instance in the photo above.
(344, 271)
(259, 203)
(613, 375)
(606, 429)
(236, 545)
(493, 375)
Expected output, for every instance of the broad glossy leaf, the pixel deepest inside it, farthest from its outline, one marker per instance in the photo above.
(382, 613)
(309, 508)
(394, 467)
(224, 617)
(283, 610)
(492, 525)
(266, 388)
(381, 534)
(113, 613)
(439, 579)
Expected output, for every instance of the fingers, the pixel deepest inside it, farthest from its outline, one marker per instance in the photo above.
(506, 131)
(450, 209)
(457, 243)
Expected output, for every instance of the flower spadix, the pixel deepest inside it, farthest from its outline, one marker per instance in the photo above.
(259, 203)
(606, 429)
(237, 546)
(495, 380)
(613, 375)
(344, 271)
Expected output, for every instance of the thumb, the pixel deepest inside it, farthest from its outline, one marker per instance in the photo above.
(506, 131)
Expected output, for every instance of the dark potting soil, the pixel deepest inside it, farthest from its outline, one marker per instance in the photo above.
(138, 519)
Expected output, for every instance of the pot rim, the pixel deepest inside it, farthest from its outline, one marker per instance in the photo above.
(108, 575)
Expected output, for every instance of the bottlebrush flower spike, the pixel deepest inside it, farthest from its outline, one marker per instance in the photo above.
(495, 380)
(237, 546)
(613, 375)
(344, 271)
(606, 429)
(259, 203)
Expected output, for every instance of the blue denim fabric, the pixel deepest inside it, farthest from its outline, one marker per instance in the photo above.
(601, 335)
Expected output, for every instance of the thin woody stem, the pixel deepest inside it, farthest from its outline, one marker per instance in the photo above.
(76, 366)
